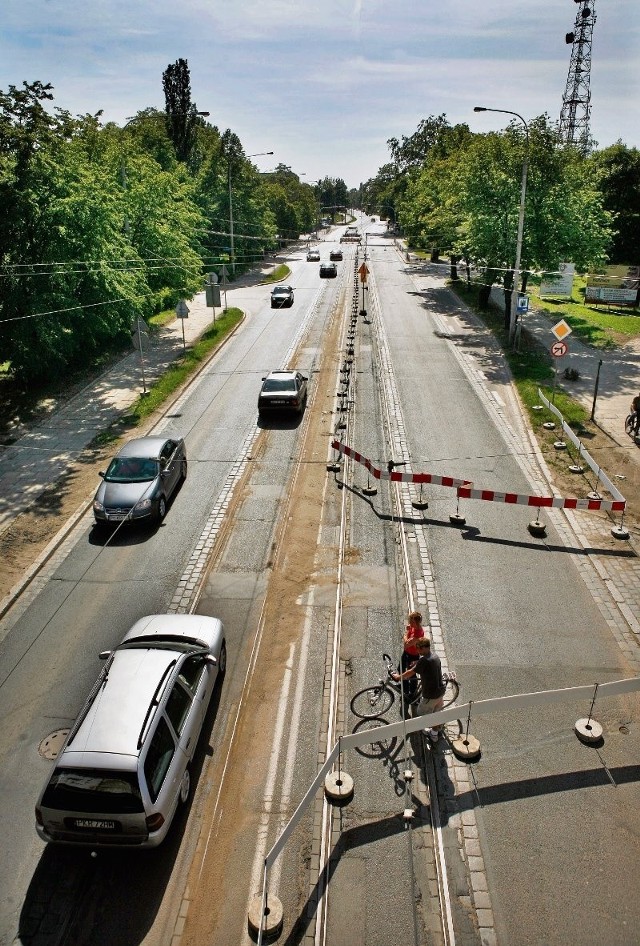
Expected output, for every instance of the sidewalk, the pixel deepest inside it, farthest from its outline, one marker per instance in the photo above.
(43, 454)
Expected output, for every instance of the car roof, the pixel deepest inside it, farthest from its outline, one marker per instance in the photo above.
(144, 447)
(282, 374)
(114, 721)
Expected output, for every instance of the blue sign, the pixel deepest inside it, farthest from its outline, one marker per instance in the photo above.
(522, 303)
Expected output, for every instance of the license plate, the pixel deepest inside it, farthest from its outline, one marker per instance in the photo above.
(116, 518)
(278, 401)
(95, 824)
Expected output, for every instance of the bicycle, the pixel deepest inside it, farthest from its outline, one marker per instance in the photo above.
(630, 425)
(376, 700)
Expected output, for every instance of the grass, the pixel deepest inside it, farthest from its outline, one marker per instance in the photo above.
(532, 367)
(175, 376)
(280, 272)
(162, 318)
(599, 326)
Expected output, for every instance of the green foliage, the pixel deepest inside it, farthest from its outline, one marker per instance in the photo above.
(180, 370)
(618, 171)
(280, 272)
(181, 115)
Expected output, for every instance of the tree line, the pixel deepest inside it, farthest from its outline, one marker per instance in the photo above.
(451, 189)
(102, 224)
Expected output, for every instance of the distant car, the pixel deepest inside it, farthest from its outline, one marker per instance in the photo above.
(328, 270)
(125, 765)
(313, 256)
(283, 391)
(335, 254)
(140, 480)
(281, 296)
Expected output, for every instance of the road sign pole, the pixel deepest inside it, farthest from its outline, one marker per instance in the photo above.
(595, 391)
(184, 343)
(144, 380)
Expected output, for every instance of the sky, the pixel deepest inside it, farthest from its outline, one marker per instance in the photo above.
(324, 85)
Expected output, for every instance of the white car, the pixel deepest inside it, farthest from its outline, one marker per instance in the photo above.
(313, 256)
(125, 764)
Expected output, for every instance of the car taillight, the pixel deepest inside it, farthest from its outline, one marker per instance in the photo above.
(39, 819)
(154, 822)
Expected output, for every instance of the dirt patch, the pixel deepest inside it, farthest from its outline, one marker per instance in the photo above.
(620, 463)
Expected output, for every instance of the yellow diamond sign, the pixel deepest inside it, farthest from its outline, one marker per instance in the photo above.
(561, 330)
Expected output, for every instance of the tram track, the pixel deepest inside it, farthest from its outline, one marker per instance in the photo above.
(398, 501)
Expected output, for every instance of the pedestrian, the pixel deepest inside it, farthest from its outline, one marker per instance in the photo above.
(635, 409)
(429, 669)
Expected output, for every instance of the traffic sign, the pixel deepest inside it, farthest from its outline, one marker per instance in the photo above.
(363, 271)
(182, 310)
(561, 330)
(559, 349)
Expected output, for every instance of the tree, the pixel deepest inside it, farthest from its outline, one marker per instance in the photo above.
(564, 214)
(618, 169)
(181, 115)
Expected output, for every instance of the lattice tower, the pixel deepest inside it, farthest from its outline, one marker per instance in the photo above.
(576, 102)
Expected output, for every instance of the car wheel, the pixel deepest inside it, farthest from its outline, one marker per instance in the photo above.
(222, 660)
(162, 509)
(185, 787)
(183, 470)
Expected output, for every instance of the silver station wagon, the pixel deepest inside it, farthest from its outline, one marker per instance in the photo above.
(125, 765)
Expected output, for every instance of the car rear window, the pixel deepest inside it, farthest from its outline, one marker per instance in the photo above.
(94, 791)
(278, 384)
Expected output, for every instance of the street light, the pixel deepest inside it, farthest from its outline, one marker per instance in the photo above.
(513, 314)
(233, 255)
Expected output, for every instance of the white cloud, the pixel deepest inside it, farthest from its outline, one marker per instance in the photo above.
(325, 84)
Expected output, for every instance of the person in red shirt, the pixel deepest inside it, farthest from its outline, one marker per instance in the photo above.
(413, 631)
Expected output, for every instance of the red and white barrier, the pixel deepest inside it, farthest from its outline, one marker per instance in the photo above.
(464, 488)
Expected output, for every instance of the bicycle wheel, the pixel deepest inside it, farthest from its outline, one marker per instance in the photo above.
(452, 692)
(372, 701)
(376, 748)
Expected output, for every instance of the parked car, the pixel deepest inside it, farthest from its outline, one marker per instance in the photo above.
(328, 270)
(125, 764)
(281, 296)
(283, 391)
(335, 255)
(313, 256)
(140, 480)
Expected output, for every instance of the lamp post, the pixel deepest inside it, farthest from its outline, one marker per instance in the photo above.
(513, 313)
(233, 254)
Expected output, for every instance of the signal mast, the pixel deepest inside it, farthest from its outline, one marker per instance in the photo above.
(576, 102)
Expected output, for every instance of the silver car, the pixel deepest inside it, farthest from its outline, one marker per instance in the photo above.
(125, 764)
(140, 480)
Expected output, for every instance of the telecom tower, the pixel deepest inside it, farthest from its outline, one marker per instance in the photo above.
(576, 108)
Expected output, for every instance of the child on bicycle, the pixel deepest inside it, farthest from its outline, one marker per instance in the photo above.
(413, 632)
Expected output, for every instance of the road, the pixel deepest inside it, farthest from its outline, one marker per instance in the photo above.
(313, 582)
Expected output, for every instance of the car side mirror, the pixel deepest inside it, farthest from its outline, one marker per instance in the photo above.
(102, 474)
(210, 659)
(105, 654)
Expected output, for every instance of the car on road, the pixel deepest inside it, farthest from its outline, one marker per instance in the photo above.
(335, 255)
(125, 765)
(282, 391)
(328, 270)
(313, 256)
(140, 480)
(281, 296)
